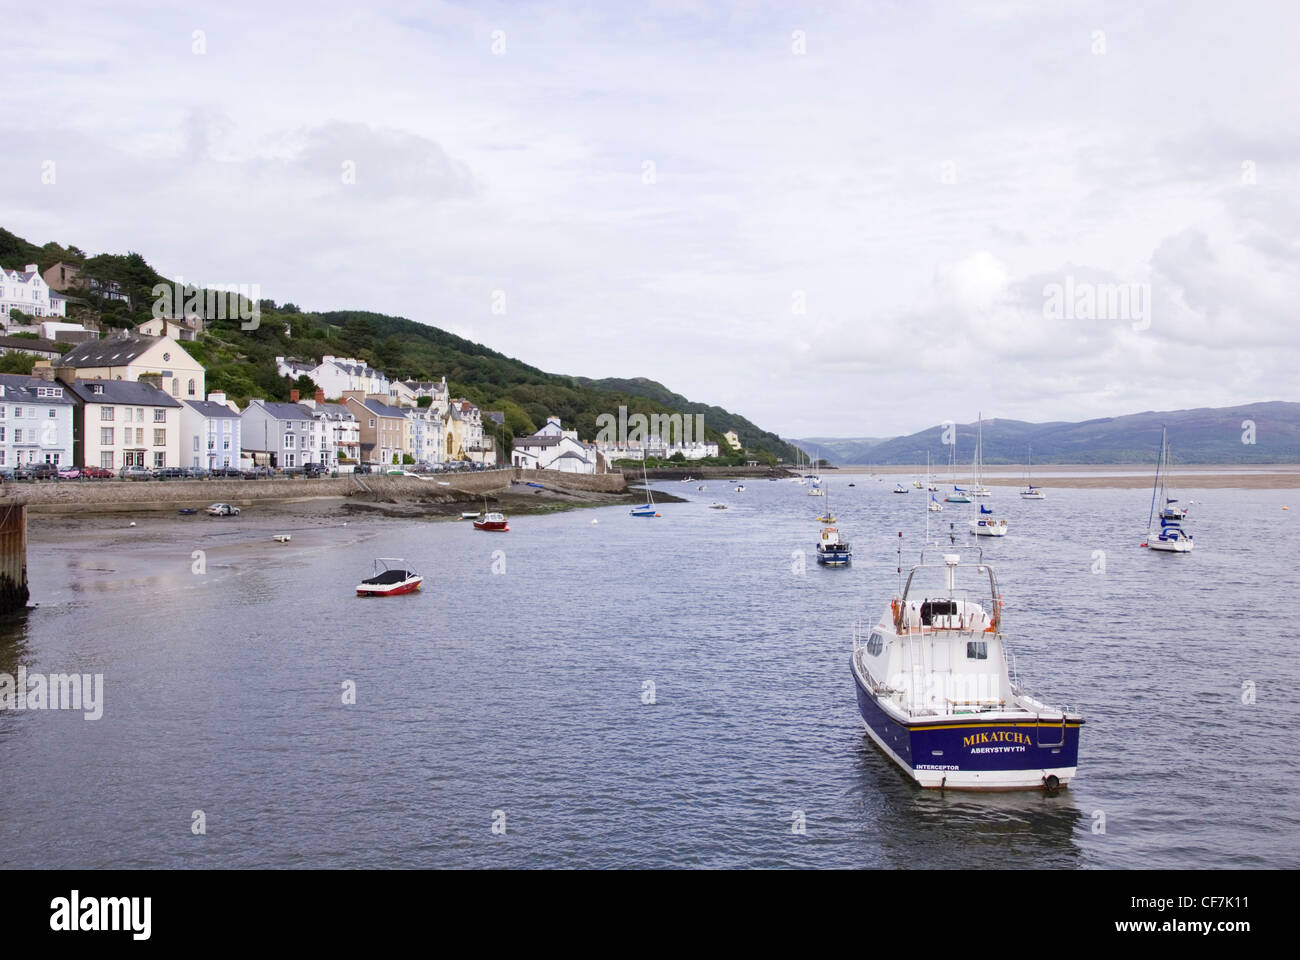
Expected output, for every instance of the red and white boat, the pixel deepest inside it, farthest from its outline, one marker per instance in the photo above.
(493, 521)
(392, 576)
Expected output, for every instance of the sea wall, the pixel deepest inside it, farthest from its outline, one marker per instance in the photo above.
(105, 496)
(13, 557)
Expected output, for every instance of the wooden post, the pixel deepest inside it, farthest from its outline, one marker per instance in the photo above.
(13, 557)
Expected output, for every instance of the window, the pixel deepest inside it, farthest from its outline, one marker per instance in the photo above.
(18, 411)
(2, 458)
(139, 417)
(160, 438)
(225, 443)
(288, 441)
(977, 650)
(290, 460)
(191, 388)
(875, 644)
(18, 436)
(105, 436)
(372, 423)
(159, 415)
(160, 459)
(53, 413)
(106, 459)
(2, 413)
(106, 413)
(2, 434)
(196, 443)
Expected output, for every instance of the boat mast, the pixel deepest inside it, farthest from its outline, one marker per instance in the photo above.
(1155, 487)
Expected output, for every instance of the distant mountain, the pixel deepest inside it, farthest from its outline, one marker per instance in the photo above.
(1203, 435)
(836, 450)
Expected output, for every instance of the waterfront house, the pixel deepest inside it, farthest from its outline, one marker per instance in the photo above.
(463, 434)
(35, 422)
(340, 433)
(123, 423)
(210, 433)
(424, 429)
(280, 435)
(554, 448)
(383, 427)
(130, 357)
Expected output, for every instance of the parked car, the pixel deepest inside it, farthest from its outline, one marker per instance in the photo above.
(257, 473)
(226, 472)
(97, 473)
(169, 473)
(44, 471)
(69, 473)
(313, 470)
(363, 468)
(135, 473)
(23, 473)
(223, 510)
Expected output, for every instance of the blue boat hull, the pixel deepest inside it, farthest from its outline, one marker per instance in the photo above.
(834, 558)
(959, 753)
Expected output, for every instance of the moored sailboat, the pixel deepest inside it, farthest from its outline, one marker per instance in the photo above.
(1170, 537)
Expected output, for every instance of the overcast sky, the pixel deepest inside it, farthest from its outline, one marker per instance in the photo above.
(659, 188)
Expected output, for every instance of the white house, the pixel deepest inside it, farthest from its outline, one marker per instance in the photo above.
(335, 375)
(339, 432)
(123, 423)
(35, 422)
(424, 431)
(26, 290)
(210, 433)
(554, 448)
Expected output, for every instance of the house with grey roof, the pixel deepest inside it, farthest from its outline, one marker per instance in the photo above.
(383, 428)
(35, 422)
(282, 435)
(123, 423)
(211, 433)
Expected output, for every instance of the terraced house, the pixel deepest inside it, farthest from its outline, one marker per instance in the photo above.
(383, 427)
(120, 423)
(211, 435)
(281, 435)
(35, 422)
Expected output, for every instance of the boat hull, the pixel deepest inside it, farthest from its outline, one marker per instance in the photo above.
(409, 586)
(834, 558)
(1171, 546)
(965, 753)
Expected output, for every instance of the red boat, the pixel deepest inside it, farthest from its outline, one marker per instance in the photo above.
(392, 577)
(492, 521)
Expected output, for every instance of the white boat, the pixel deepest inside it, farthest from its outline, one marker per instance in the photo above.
(899, 488)
(832, 549)
(717, 506)
(940, 697)
(1170, 537)
(934, 506)
(918, 484)
(1031, 492)
(986, 526)
(816, 491)
(741, 488)
(646, 509)
(392, 576)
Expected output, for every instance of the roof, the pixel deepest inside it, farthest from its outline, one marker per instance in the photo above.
(384, 410)
(115, 352)
(282, 411)
(121, 391)
(27, 343)
(335, 410)
(19, 387)
(211, 409)
(539, 441)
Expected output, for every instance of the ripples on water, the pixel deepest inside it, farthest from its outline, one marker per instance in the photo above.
(522, 692)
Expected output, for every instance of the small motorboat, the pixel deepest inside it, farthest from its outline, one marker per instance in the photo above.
(741, 488)
(392, 576)
(717, 506)
(187, 511)
(282, 538)
(470, 515)
(700, 487)
(493, 522)
(852, 484)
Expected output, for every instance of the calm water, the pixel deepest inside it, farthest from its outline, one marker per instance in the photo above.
(521, 692)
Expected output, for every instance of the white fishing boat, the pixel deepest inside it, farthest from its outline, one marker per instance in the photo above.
(939, 694)
(832, 549)
(1031, 492)
(1169, 537)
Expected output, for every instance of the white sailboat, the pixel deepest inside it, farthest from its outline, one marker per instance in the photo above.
(1169, 537)
(980, 490)
(1031, 492)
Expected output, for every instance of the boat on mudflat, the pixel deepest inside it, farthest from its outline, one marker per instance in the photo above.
(392, 576)
(939, 694)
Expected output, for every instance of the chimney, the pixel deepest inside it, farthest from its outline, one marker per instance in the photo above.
(43, 372)
(320, 395)
(66, 375)
(153, 379)
(31, 268)
(217, 396)
(293, 396)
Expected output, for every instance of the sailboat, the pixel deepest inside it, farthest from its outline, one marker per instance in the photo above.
(958, 495)
(934, 506)
(1031, 492)
(648, 509)
(978, 467)
(985, 526)
(1171, 538)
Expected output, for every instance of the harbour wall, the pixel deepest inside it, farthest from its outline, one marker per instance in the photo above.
(13, 557)
(112, 496)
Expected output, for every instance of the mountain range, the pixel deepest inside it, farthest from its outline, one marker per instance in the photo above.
(1267, 432)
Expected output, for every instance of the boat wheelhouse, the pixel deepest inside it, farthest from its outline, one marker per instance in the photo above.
(938, 692)
(392, 576)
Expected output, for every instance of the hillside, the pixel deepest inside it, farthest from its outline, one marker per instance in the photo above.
(1202, 435)
(242, 362)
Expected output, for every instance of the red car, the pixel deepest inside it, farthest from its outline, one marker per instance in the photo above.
(97, 473)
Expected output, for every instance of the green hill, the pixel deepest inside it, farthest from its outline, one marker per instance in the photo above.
(242, 362)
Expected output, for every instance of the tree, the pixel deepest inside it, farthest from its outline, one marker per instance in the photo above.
(305, 386)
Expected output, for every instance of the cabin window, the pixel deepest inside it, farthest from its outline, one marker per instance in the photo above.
(875, 644)
(977, 650)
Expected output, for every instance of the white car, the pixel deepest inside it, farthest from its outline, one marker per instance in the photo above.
(223, 510)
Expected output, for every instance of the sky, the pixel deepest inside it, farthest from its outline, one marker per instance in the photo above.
(837, 219)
